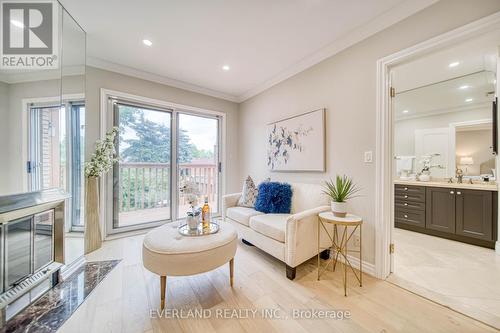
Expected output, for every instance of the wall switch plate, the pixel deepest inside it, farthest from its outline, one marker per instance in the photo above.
(368, 156)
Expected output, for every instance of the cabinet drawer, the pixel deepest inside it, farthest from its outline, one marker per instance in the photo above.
(402, 196)
(406, 204)
(409, 217)
(409, 189)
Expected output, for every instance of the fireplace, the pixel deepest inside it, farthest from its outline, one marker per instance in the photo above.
(31, 247)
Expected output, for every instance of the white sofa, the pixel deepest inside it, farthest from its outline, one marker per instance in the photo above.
(292, 238)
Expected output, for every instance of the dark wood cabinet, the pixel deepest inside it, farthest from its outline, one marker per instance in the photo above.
(474, 212)
(440, 209)
(409, 203)
(464, 215)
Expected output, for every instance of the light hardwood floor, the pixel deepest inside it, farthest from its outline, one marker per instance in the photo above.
(462, 276)
(122, 302)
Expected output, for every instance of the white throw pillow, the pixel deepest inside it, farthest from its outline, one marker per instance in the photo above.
(248, 194)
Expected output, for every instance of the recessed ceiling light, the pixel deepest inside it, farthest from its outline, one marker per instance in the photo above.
(406, 111)
(469, 99)
(147, 42)
(464, 87)
(226, 68)
(17, 23)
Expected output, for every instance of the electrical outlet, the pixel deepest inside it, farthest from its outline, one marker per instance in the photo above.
(368, 156)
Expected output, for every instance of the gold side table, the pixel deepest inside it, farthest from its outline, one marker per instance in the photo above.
(339, 247)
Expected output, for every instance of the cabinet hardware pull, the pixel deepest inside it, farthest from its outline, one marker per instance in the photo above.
(406, 188)
(406, 204)
(459, 193)
(406, 216)
(406, 196)
(451, 192)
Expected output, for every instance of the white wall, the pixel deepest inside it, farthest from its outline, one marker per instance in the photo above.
(404, 130)
(345, 84)
(98, 78)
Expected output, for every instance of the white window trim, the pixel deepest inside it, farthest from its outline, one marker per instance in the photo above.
(105, 126)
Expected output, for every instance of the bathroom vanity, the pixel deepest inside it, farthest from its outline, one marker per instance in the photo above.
(462, 212)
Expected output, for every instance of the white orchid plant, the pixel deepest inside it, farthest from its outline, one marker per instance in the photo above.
(104, 157)
(190, 191)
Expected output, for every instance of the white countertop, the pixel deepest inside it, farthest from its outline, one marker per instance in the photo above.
(476, 186)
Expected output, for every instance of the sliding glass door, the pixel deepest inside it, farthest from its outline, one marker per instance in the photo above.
(142, 177)
(56, 153)
(198, 159)
(160, 150)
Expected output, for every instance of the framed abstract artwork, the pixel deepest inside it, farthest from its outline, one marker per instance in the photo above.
(297, 143)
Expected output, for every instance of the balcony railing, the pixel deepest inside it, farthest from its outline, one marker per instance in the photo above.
(147, 185)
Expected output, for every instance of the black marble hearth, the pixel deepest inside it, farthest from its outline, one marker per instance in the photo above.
(51, 310)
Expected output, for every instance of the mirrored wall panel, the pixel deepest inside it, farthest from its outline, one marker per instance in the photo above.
(43, 123)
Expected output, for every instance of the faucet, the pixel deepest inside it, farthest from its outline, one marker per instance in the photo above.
(459, 175)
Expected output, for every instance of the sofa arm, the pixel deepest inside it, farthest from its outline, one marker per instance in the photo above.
(229, 200)
(301, 238)
(308, 213)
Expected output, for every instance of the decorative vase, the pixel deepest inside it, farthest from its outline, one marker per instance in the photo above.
(192, 222)
(339, 209)
(92, 234)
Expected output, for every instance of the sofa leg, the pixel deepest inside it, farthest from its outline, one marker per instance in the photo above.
(290, 272)
(325, 254)
(246, 242)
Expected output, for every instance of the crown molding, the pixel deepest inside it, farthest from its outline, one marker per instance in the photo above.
(126, 70)
(379, 23)
(40, 75)
(436, 112)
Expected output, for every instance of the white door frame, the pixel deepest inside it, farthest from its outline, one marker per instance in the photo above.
(105, 125)
(384, 206)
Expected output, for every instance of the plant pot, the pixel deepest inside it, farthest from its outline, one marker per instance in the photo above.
(92, 234)
(339, 209)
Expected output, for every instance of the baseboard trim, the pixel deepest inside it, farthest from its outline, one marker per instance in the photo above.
(71, 268)
(368, 268)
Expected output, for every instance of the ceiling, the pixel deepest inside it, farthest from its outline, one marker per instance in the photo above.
(263, 41)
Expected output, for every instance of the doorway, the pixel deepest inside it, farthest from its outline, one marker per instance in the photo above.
(441, 193)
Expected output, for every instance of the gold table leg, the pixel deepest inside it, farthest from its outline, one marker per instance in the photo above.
(231, 271)
(163, 287)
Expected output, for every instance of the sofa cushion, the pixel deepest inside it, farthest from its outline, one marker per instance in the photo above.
(270, 225)
(274, 198)
(241, 214)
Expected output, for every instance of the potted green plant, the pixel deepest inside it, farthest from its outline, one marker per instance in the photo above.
(339, 192)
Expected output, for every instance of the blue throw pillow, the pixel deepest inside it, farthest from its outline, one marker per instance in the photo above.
(274, 198)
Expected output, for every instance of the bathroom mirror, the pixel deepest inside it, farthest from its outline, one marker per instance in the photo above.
(448, 126)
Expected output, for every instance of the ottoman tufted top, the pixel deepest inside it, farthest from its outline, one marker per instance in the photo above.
(167, 240)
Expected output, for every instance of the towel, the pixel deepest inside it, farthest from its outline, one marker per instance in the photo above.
(404, 163)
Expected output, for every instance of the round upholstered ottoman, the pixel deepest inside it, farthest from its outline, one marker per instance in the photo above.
(166, 252)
